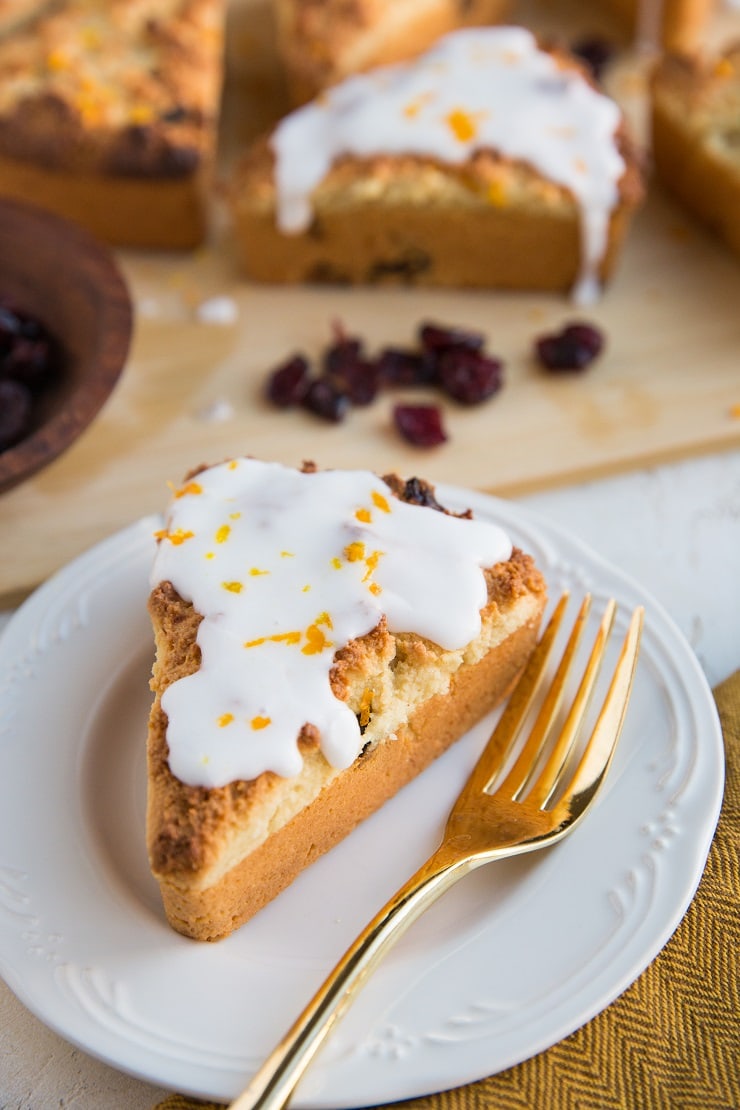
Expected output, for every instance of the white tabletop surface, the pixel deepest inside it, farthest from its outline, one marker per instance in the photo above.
(674, 528)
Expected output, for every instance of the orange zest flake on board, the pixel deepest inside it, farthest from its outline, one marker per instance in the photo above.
(735, 411)
(225, 719)
(260, 722)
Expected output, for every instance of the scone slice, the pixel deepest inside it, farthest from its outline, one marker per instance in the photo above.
(696, 137)
(220, 853)
(488, 162)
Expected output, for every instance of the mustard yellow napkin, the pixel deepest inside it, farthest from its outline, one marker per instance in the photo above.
(672, 1040)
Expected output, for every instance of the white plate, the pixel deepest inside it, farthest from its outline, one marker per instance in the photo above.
(516, 957)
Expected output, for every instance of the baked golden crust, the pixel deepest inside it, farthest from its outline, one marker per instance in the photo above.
(696, 137)
(492, 223)
(323, 41)
(110, 93)
(220, 853)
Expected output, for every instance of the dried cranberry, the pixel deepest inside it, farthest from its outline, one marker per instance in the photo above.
(323, 399)
(288, 383)
(420, 424)
(16, 406)
(596, 53)
(343, 351)
(573, 348)
(470, 377)
(360, 381)
(418, 492)
(10, 328)
(31, 361)
(436, 338)
(398, 366)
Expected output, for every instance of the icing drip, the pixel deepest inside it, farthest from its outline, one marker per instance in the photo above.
(286, 568)
(487, 88)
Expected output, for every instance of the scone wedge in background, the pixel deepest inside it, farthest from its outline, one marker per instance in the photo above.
(109, 112)
(320, 42)
(671, 25)
(321, 637)
(488, 162)
(696, 137)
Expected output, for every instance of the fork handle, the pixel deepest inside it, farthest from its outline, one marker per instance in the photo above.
(272, 1086)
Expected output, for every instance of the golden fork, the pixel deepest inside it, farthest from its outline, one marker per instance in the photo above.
(535, 805)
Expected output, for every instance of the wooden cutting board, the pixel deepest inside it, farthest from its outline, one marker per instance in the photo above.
(668, 385)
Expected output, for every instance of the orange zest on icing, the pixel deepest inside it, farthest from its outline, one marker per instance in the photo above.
(317, 641)
(191, 488)
(177, 537)
(260, 722)
(233, 587)
(277, 638)
(372, 564)
(363, 515)
(225, 719)
(223, 533)
(354, 552)
(380, 502)
(462, 124)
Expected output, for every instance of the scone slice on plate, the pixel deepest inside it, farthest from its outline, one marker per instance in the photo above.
(321, 637)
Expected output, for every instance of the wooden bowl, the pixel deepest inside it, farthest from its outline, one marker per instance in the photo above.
(60, 274)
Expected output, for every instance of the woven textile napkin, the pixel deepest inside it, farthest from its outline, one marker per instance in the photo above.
(672, 1040)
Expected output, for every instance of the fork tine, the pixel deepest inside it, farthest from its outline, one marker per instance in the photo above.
(504, 735)
(597, 756)
(518, 776)
(547, 780)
